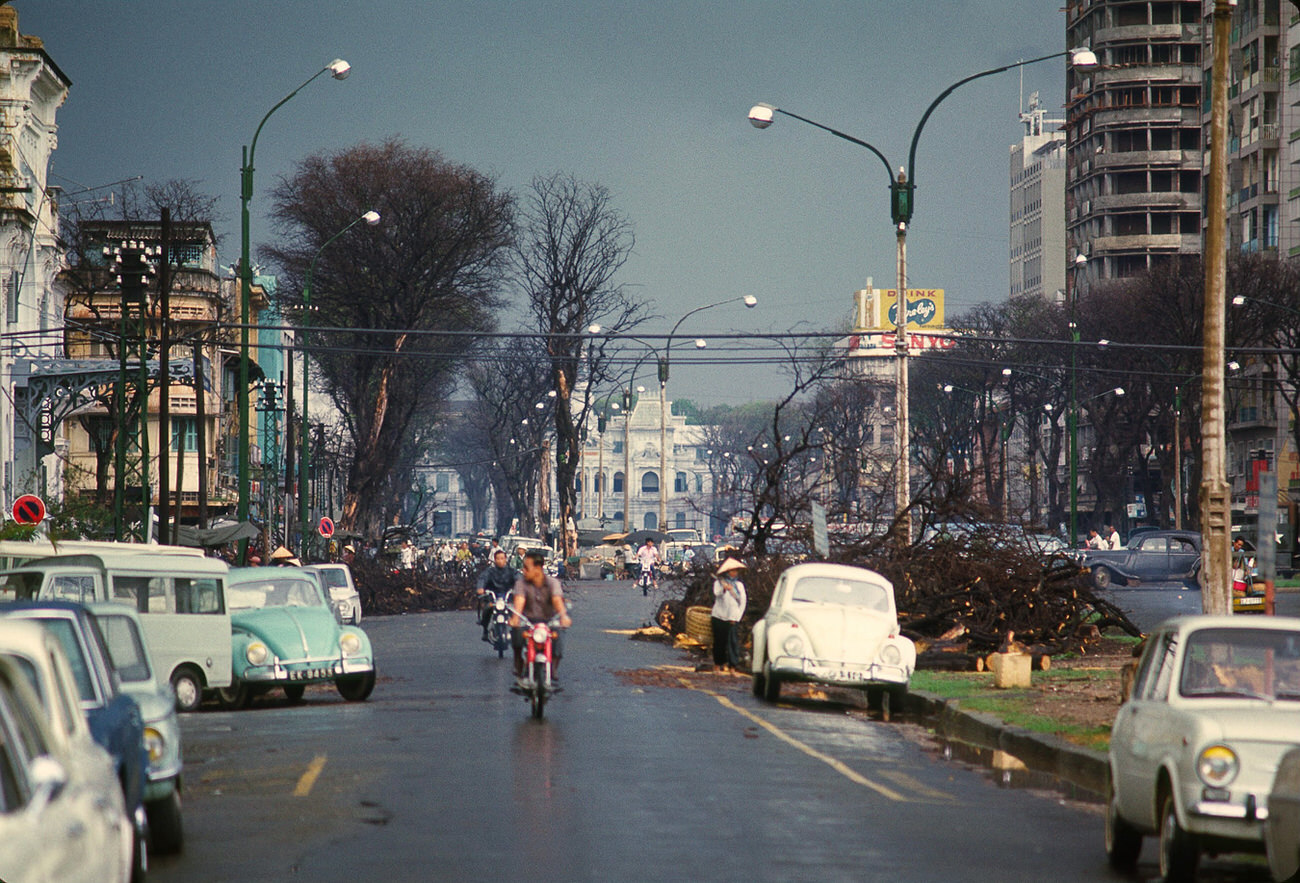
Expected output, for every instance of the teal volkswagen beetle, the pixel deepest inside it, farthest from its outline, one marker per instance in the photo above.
(284, 634)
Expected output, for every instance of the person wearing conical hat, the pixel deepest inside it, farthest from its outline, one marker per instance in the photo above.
(282, 557)
(728, 608)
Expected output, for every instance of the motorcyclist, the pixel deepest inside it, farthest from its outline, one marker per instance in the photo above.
(500, 578)
(539, 597)
(649, 558)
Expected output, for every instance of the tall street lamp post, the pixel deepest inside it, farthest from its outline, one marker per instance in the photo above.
(750, 302)
(304, 469)
(901, 203)
(339, 70)
(1074, 442)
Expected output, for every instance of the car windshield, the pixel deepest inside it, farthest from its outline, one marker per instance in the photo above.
(125, 649)
(1242, 663)
(64, 630)
(20, 586)
(280, 592)
(844, 592)
(28, 669)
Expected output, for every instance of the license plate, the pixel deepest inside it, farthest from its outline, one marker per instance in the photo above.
(309, 674)
(1250, 602)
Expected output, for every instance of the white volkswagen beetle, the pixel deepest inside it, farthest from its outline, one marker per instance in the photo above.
(833, 624)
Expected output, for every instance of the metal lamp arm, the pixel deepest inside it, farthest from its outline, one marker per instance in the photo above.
(916, 136)
(252, 149)
(889, 170)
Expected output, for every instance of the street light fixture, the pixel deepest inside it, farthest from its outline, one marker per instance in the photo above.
(371, 218)
(901, 204)
(339, 70)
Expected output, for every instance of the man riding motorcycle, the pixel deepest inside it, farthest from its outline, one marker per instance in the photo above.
(499, 578)
(538, 597)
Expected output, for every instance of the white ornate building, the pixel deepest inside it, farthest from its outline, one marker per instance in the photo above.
(32, 89)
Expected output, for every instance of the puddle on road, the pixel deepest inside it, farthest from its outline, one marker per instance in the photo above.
(1008, 771)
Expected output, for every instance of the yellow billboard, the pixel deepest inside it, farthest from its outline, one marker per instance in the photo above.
(877, 309)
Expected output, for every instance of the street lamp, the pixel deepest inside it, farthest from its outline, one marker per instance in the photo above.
(1074, 438)
(371, 218)
(339, 70)
(901, 204)
(750, 302)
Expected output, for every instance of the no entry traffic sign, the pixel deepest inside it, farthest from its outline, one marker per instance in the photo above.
(326, 526)
(29, 509)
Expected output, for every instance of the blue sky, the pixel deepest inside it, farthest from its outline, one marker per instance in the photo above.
(647, 98)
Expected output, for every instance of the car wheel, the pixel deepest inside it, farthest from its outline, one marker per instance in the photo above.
(1179, 853)
(187, 687)
(293, 692)
(235, 696)
(760, 684)
(166, 834)
(771, 685)
(891, 702)
(1123, 841)
(1102, 578)
(356, 688)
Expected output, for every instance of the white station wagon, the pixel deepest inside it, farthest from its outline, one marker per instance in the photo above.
(1194, 751)
(837, 625)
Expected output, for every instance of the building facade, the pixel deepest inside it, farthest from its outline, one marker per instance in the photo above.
(1134, 146)
(1038, 205)
(32, 89)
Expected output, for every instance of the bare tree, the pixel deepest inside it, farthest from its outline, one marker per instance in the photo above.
(435, 263)
(571, 244)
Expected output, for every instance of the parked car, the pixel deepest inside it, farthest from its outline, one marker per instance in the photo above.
(114, 717)
(62, 814)
(837, 625)
(286, 636)
(1193, 752)
(341, 590)
(180, 599)
(129, 654)
(1282, 828)
(1153, 556)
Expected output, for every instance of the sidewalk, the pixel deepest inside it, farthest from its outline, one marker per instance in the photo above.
(1082, 767)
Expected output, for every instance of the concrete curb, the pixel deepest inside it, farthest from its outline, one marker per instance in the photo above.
(1083, 767)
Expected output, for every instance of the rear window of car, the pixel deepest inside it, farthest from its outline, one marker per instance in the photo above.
(20, 586)
(125, 649)
(849, 593)
(333, 576)
(67, 635)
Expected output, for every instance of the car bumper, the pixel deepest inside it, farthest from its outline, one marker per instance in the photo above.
(306, 671)
(840, 674)
(157, 789)
(1228, 814)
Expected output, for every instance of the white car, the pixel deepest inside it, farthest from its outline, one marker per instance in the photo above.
(129, 654)
(337, 581)
(837, 625)
(1194, 751)
(62, 814)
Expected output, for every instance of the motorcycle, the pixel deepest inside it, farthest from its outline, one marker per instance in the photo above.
(498, 622)
(537, 685)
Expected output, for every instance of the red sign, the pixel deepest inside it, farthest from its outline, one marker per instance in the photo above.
(326, 527)
(29, 509)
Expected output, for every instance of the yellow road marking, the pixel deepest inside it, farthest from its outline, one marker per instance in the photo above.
(309, 776)
(839, 766)
(903, 780)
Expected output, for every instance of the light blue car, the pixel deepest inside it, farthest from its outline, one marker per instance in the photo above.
(284, 635)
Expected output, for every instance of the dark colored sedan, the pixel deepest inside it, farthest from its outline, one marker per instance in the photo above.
(1152, 556)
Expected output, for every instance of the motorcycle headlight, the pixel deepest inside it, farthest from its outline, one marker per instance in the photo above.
(793, 646)
(540, 634)
(890, 655)
(154, 744)
(500, 604)
(349, 643)
(256, 653)
(1217, 766)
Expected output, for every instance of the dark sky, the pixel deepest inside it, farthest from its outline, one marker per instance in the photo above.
(648, 98)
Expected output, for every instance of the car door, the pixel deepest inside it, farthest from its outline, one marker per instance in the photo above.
(1141, 729)
(1183, 556)
(1151, 558)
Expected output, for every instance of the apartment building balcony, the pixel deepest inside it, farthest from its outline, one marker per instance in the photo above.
(1125, 115)
(1145, 159)
(1144, 242)
(1185, 33)
(1160, 199)
(1142, 74)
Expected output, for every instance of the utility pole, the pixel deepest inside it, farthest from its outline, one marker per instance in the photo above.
(201, 435)
(165, 383)
(1216, 515)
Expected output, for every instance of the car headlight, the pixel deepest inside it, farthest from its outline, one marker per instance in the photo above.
(1217, 766)
(350, 644)
(154, 744)
(793, 645)
(256, 653)
(890, 655)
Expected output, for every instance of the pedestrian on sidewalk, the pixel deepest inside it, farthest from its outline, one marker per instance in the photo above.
(728, 607)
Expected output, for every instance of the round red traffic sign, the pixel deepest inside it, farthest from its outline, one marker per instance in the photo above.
(326, 526)
(29, 509)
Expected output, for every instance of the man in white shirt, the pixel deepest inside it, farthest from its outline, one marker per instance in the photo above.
(648, 555)
(1112, 537)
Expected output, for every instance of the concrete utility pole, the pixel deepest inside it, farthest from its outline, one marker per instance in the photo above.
(1216, 514)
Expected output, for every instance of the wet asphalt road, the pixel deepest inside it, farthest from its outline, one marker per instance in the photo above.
(1149, 604)
(443, 776)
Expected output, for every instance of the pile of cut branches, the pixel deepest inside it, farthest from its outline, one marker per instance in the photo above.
(384, 590)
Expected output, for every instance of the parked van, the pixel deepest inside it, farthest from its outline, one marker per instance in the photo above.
(15, 553)
(181, 600)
